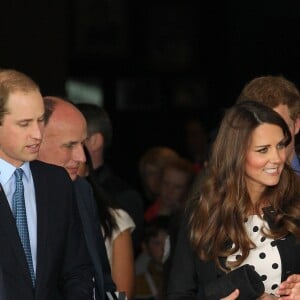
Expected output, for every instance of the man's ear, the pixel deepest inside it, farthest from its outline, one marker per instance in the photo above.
(95, 141)
(297, 125)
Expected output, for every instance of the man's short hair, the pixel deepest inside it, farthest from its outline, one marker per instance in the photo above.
(12, 81)
(273, 91)
(97, 120)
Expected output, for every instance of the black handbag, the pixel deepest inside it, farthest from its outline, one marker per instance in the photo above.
(244, 278)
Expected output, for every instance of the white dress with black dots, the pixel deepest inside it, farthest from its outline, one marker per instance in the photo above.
(265, 257)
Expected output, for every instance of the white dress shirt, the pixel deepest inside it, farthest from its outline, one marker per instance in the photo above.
(7, 180)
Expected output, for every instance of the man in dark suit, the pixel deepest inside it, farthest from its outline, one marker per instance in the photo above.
(65, 132)
(42, 255)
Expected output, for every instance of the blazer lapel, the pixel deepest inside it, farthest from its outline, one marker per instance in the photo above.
(10, 232)
(42, 220)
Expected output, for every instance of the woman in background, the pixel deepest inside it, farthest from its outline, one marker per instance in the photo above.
(116, 226)
(151, 164)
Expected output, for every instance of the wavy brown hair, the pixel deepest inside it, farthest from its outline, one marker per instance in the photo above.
(217, 217)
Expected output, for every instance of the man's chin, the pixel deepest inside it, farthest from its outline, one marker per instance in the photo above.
(73, 176)
(31, 157)
(73, 172)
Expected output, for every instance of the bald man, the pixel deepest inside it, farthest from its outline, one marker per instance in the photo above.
(62, 145)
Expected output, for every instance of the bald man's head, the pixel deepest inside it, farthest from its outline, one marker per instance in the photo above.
(64, 135)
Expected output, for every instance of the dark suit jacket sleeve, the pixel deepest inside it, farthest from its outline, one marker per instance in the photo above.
(183, 281)
(77, 269)
(2, 286)
(87, 202)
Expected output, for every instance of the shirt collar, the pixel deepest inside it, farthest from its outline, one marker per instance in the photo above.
(7, 170)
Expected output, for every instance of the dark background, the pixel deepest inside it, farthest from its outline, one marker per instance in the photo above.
(157, 62)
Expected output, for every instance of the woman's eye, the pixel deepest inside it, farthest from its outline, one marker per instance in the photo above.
(262, 150)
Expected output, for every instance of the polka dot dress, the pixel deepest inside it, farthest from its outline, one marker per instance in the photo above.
(265, 257)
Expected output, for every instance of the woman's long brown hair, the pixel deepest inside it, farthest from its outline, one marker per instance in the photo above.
(217, 218)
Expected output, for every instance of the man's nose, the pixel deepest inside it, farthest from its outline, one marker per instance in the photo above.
(37, 130)
(78, 154)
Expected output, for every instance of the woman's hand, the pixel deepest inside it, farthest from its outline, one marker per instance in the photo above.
(290, 288)
(234, 295)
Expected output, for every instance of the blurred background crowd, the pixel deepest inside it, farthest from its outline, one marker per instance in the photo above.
(164, 71)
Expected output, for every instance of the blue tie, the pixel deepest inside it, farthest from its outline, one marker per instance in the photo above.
(19, 211)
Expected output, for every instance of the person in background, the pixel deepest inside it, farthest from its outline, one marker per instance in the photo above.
(284, 97)
(196, 142)
(151, 164)
(98, 143)
(64, 134)
(176, 178)
(149, 278)
(42, 255)
(117, 227)
(247, 215)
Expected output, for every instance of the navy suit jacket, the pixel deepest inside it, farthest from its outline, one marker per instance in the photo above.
(2, 287)
(63, 268)
(93, 236)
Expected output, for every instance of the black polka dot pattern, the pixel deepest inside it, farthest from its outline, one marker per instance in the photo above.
(264, 256)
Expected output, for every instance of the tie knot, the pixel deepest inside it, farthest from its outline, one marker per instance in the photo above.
(18, 173)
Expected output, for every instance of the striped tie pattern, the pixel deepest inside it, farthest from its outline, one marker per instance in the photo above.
(19, 212)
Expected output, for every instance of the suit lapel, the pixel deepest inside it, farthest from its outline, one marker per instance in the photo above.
(10, 232)
(42, 220)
